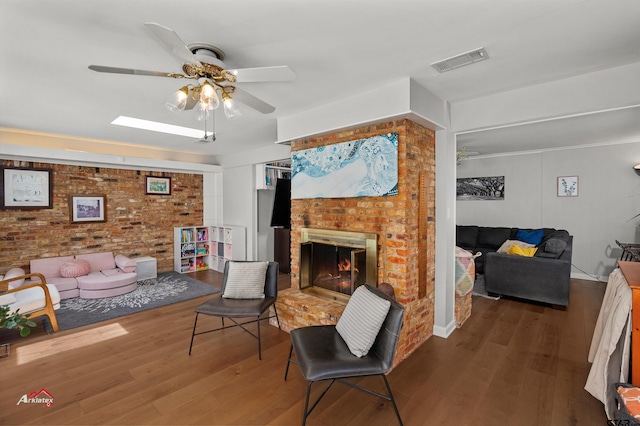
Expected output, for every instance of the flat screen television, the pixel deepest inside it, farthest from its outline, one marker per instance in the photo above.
(281, 215)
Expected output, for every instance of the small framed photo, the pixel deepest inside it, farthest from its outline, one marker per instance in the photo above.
(88, 208)
(567, 186)
(155, 185)
(25, 188)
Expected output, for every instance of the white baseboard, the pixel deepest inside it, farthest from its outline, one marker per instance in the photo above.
(581, 276)
(444, 331)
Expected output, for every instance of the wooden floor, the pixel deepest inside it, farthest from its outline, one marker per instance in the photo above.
(512, 363)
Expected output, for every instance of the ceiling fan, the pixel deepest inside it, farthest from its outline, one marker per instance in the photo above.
(213, 82)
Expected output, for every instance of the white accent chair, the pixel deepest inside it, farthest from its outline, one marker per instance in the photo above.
(33, 298)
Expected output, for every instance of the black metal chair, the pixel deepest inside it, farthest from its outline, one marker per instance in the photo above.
(219, 306)
(322, 354)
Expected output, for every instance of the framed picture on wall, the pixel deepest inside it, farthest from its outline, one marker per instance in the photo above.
(25, 188)
(87, 208)
(567, 186)
(155, 185)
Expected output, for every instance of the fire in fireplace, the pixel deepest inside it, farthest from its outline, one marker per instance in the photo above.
(335, 263)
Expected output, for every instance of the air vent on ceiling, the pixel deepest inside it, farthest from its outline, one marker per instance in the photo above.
(461, 60)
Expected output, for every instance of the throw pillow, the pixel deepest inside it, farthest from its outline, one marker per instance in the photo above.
(361, 320)
(552, 248)
(522, 251)
(245, 280)
(510, 243)
(16, 272)
(532, 237)
(75, 268)
(631, 398)
(125, 264)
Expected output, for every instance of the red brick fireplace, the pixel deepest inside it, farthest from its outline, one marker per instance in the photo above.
(403, 225)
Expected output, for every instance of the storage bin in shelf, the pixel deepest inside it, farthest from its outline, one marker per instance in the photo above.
(230, 244)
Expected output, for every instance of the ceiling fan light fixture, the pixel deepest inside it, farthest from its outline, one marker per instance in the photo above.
(178, 100)
(231, 110)
(208, 96)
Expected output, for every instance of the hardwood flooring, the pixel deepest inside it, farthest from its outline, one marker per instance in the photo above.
(511, 363)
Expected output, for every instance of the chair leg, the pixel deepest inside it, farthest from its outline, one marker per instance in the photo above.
(286, 371)
(306, 404)
(275, 311)
(259, 341)
(392, 399)
(193, 333)
(53, 320)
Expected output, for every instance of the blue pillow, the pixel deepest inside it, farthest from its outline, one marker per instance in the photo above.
(532, 237)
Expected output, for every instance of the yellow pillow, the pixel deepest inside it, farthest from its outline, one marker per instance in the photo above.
(522, 251)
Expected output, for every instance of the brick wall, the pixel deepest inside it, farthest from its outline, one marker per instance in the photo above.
(395, 220)
(137, 224)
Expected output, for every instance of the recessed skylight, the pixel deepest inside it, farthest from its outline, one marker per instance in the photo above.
(155, 126)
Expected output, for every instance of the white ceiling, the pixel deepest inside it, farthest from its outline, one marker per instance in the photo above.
(337, 49)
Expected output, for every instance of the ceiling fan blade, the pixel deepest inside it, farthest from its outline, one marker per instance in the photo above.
(249, 75)
(115, 70)
(253, 102)
(172, 41)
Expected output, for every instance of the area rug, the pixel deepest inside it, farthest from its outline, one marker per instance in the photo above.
(480, 290)
(168, 288)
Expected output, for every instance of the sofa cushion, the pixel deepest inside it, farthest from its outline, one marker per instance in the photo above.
(110, 272)
(99, 261)
(50, 266)
(530, 236)
(7, 299)
(510, 243)
(361, 320)
(12, 273)
(492, 237)
(467, 236)
(74, 268)
(125, 263)
(63, 284)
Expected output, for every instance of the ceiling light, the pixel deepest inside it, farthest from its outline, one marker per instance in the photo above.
(230, 108)
(637, 169)
(155, 126)
(178, 101)
(205, 96)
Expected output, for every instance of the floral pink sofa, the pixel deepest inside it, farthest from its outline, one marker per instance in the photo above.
(89, 276)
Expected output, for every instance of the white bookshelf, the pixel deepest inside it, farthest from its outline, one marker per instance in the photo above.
(267, 174)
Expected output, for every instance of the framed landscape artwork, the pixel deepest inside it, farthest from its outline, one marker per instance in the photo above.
(155, 185)
(480, 188)
(25, 188)
(87, 208)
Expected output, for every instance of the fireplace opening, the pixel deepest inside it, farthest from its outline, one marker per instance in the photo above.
(335, 263)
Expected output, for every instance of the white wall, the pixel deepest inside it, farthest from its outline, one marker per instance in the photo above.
(609, 195)
(264, 232)
(240, 202)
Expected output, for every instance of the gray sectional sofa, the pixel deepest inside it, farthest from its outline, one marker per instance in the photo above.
(541, 278)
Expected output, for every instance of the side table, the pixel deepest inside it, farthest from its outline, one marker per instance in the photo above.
(146, 267)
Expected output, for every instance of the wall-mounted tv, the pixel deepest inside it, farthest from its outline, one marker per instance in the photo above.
(281, 215)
